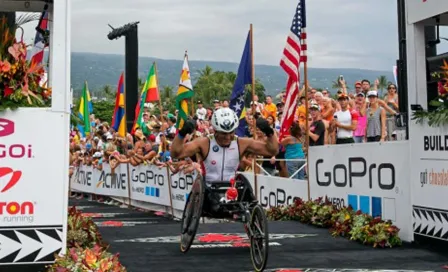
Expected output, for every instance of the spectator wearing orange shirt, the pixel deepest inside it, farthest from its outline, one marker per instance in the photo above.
(270, 109)
(301, 112)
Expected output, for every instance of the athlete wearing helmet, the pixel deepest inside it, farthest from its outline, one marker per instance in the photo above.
(221, 153)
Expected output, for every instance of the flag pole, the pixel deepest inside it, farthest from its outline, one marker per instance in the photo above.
(253, 100)
(307, 134)
(253, 78)
(160, 97)
(126, 141)
(305, 74)
(192, 103)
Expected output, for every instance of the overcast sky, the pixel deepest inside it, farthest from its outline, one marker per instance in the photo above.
(341, 33)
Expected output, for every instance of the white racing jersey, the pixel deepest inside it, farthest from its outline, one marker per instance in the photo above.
(221, 163)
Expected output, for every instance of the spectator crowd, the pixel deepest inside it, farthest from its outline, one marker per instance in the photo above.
(348, 118)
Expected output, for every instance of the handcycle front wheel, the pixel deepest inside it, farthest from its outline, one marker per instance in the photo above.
(259, 238)
(191, 215)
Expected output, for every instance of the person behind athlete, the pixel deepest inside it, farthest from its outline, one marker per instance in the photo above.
(223, 151)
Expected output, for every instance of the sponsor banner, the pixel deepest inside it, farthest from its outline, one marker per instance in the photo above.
(429, 180)
(429, 166)
(111, 184)
(372, 177)
(33, 178)
(83, 179)
(180, 189)
(276, 191)
(150, 184)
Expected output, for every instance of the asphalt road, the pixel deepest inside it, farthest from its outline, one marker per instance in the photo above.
(150, 242)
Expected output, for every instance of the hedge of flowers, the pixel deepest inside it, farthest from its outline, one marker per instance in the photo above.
(86, 250)
(344, 221)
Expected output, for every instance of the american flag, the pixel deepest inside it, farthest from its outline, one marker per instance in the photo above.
(293, 55)
(39, 43)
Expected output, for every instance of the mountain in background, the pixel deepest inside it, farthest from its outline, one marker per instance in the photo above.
(104, 69)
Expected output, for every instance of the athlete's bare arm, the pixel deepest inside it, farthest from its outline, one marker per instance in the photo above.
(179, 150)
(261, 148)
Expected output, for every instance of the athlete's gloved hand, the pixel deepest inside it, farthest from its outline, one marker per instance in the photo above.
(264, 126)
(188, 128)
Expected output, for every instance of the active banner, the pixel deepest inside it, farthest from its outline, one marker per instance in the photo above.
(371, 177)
(146, 183)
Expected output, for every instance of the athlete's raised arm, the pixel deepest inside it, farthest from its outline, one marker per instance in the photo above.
(266, 148)
(179, 150)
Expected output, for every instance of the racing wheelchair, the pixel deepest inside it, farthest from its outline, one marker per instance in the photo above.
(209, 200)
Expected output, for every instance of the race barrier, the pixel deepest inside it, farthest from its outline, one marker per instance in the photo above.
(373, 177)
(158, 189)
(145, 186)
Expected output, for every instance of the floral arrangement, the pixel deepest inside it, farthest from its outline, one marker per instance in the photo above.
(439, 116)
(86, 250)
(96, 259)
(82, 231)
(20, 79)
(342, 221)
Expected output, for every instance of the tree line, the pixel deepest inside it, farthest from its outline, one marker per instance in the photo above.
(210, 85)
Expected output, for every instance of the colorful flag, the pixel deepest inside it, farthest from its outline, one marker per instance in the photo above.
(37, 54)
(243, 77)
(84, 111)
(153, 88)
(293, 54)
(139, 109)
(184, 93)
(119, 118)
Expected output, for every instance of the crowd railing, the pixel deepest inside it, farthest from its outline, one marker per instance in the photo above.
(373, 178)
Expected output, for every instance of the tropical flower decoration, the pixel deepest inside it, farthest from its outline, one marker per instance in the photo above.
(342, 221)
(20, 79)
(82, 231)
(439, 116)
(95, 259)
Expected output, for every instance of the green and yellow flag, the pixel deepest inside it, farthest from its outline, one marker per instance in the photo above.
(85, 108)
(184, 93)
(150, 85)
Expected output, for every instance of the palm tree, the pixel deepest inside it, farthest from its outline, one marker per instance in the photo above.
(231, 76)
(382, 84)
(335, 84)
(140, 83)
(167, 93)
(219, 85)
(168, 98)
(206, 72)
(108, 91)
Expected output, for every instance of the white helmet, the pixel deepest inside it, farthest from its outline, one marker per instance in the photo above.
(225, 120)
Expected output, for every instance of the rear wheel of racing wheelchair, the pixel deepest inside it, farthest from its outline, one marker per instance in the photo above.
(259, 238)
(192, 214)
